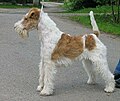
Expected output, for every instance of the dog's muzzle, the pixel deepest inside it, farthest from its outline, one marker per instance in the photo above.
(21, 30)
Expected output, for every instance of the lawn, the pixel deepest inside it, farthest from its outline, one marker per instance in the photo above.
(15, 6)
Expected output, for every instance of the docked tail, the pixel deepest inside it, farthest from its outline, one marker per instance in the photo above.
(94, 24)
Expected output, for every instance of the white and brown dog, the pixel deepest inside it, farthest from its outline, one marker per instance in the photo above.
(59, 48)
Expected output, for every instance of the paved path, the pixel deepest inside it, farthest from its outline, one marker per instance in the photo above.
(19, 66)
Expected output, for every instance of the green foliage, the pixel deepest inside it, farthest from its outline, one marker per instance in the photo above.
(17, 1)
(74, 4)
(102, 2)
(117, 3)
(55, 0)
(13, 2)
(79, 4)
(98, 9)
(4, 0)
(15, 6)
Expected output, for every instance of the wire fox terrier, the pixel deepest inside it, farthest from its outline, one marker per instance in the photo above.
(59, 48)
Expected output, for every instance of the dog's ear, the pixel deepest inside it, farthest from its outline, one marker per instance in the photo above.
(34, 13)
(65, 37)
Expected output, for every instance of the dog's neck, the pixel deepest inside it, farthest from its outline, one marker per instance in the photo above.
(48, 29)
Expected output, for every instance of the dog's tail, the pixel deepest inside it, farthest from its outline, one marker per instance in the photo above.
(94, 24)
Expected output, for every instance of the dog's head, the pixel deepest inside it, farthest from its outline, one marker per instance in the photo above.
(28, 22)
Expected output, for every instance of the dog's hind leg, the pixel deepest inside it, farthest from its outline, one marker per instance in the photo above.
(101, 67)
(49, 70)
(88, 66)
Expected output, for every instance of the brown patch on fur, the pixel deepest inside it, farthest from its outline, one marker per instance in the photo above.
(90, 43)
(68, 46)
(97, 33)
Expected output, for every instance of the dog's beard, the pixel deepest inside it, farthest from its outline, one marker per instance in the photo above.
(19, 28)
(22, 32)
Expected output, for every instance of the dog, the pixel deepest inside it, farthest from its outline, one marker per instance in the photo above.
(60, 48)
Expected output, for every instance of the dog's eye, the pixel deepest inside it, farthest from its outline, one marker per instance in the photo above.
(25, 18)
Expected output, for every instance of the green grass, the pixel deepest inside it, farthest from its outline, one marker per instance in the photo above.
(98, 9)
(15, 6)
(104, 23)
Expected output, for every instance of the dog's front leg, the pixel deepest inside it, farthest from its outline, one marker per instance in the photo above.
(49, 70)
(41, 76)
(41, 70)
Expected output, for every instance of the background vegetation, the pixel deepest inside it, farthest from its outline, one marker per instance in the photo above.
(107, 13)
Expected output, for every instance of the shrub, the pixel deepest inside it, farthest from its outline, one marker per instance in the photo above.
(102, 2)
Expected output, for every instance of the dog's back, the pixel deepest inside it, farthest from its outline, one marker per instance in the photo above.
(72, 46)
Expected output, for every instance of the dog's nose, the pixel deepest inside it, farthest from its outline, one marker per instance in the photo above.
(14, 27)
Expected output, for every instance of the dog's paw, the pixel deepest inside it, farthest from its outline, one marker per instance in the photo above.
(109, 89)
(39, 88)
(45, 92)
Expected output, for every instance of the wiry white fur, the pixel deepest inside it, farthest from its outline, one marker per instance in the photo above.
(93, 61)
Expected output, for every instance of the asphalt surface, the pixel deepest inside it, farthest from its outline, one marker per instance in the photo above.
(19, 65)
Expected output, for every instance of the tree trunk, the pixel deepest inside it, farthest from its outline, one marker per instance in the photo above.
(118, 19)
(113, 12)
